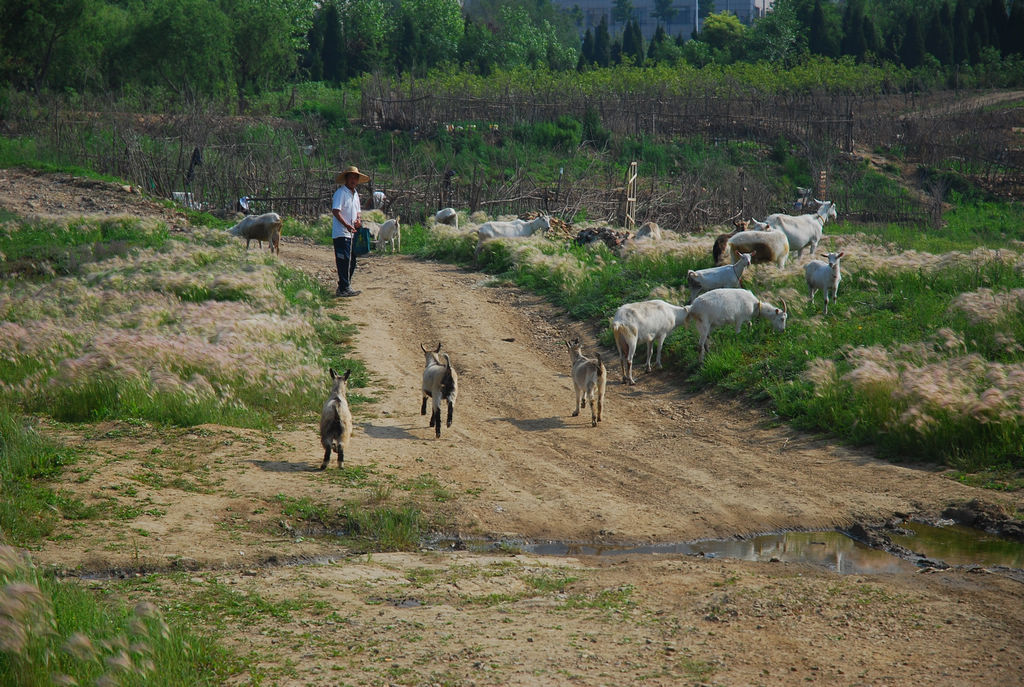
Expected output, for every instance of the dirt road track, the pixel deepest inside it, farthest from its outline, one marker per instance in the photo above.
(663, 465)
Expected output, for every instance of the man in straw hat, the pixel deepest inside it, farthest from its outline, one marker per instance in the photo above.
(346, 210)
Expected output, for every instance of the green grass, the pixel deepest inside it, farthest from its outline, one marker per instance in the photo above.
(362, 527)
(68, 632)
(618, 599)
(30, 507)
(34, 248)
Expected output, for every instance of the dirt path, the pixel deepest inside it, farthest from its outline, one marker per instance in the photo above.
(663, 465)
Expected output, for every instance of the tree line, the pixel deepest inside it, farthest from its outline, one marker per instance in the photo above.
(244, 47)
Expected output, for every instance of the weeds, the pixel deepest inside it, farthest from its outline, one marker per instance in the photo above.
(173, 333)
(55, 633)
(30, 508)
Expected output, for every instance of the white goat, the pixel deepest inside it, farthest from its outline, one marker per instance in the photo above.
(711, 278)
(336, 419)
(260, 228)
(588, 380)
(447, 216)
(510, 229)
(390, 232)
(440, 383)
(824, 276)
(648, 321)
(720, 307)
(803, 231)
(763, 246)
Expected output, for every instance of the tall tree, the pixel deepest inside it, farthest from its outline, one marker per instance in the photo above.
(961, 33)
(439, 23)
(332, 54)
(587, 50)
(1015, 29)
(724, 34)
(776, 37)
(184, 45)
(664, 11)
(616, 51)
(30, 31)
(979, 35)
(821, 41)
(853, 30)
(282, 26)
(633, 42)
(404, 42)
(602, 44)
(912, 50)
(475, 48)
(871, 46)
(939, 38)
(622, 11)
(312, 62)
(997, 21)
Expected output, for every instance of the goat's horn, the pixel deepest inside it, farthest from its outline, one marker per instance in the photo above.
(785, 308)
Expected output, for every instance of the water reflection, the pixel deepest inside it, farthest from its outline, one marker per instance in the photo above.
(832, 550)
(959, 545)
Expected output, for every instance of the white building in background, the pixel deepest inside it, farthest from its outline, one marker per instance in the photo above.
(682, 23)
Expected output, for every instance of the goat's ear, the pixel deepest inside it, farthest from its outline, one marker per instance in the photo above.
(348, 373)
(423, 348)
(438, 349)
(333, 373)
(841, 254)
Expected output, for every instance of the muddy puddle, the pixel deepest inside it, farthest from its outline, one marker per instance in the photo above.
(959, 545)
(923, 545)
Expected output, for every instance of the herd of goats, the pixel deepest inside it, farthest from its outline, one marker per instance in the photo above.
(717, 299)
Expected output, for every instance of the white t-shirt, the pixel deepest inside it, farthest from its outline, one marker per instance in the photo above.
(348, 203)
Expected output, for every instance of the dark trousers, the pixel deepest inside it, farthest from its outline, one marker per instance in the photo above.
(345, 259)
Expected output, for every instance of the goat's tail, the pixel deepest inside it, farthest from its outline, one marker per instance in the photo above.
(619, 330)
(448, 382)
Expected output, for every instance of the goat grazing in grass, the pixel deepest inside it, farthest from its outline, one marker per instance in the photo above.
(763, 246)
(720, 307)
(648, 321)
(588, 379)
(515, 228)
(440, 383)
(824, 277)
(260, 228)
(336, 419)
(711, 278)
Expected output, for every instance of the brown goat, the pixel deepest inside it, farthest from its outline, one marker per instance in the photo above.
(589, 377)
(718, 251)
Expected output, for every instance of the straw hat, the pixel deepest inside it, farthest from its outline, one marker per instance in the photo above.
(340, 179)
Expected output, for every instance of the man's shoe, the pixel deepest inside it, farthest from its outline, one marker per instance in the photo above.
(348, 293)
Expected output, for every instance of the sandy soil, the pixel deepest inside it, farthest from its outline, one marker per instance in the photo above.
(663, 466)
